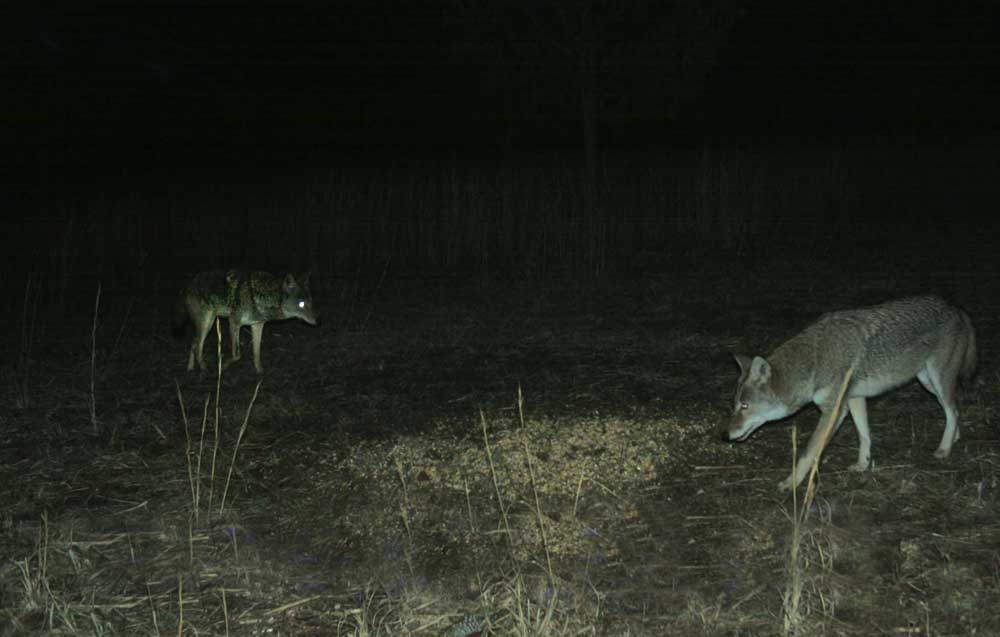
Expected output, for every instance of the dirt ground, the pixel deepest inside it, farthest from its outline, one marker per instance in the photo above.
(460, 457)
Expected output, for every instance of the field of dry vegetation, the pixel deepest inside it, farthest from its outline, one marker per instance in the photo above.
(458, 457)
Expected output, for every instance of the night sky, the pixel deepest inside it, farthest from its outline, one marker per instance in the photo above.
(623, 107)
(816, 70)
(495, 74)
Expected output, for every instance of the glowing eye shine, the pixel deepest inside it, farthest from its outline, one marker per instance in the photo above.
(302, 304)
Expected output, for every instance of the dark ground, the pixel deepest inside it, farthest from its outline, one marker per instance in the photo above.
(364, 494)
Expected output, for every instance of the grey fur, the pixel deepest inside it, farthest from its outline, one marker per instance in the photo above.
(887, 345)
(245, 298)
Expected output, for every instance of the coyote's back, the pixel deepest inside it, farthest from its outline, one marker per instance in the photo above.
(887, 345)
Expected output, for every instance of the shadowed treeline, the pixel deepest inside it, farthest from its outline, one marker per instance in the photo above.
(497, 216)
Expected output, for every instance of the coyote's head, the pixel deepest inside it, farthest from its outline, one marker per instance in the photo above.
(755, 402)
(296, 299)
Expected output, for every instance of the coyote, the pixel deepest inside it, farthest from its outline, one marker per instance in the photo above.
(246, 298)
(887, 345)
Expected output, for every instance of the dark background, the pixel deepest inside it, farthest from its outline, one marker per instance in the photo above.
(492, 138)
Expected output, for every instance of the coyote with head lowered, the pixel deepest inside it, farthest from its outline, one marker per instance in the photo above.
(245, 298)
(887, 345)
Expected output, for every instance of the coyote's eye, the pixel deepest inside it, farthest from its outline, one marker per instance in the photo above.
(744, 405)
(302, 304)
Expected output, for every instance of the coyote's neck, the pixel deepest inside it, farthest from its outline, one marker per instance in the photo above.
(792, 377)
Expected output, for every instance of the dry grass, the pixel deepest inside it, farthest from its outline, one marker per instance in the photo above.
(390, 478)
(793, 618)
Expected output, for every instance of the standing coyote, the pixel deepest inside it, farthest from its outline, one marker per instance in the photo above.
(888, 345)
(246, 298)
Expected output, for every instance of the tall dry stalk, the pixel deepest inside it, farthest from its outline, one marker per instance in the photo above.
(404, 509)
(218, 408)
(29, 314)
(534, 490)
(93, 361)
(793, 616)
(236, 447)
(496, 488)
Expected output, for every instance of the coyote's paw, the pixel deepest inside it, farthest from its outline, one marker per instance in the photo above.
(787, 484)
(858, 467)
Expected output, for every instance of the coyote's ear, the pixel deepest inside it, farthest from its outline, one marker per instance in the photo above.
(289, 284)
(743, 362)
(760, 370)
(304, 279)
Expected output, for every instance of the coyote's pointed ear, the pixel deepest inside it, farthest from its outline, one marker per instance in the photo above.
(289, 283)
(760, 370)
(304, 279)
(743, 362)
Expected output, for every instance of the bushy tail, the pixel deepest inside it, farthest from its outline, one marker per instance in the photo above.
(970, 358)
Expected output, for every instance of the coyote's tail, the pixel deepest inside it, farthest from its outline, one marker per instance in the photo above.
(969, 360)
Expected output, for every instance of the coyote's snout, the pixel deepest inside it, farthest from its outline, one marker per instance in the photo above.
(887, 345)
(245, 298)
